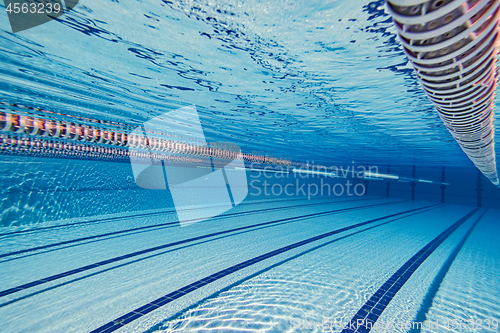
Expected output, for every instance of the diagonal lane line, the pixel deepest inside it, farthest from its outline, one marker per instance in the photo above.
(436, 284)
(134, 232)
(364, 320)
(160, 247)
(108, 219)
(153, 305)
(193, 244)
(266, 269)
(160, 225)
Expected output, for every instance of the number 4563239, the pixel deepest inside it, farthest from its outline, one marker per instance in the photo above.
(472, 324)
(33, 8)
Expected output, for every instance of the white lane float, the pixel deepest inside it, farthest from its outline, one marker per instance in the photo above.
(453, 45)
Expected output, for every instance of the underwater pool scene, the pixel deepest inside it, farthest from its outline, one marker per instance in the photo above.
(249, 166)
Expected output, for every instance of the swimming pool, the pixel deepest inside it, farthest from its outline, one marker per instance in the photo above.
(267, 166)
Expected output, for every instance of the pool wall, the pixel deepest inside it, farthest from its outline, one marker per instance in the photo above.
(41, 189)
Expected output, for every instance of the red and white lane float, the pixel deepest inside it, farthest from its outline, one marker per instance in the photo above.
(23, 134)
(453, 45)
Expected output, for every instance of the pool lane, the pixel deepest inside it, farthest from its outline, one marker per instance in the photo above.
(15, 244)
(166, 299)
(131, 285)
(329, 281)
(467, 297)
(164, 246)
(365, 319)
(90, 256)
(29, 229)
(157, 226)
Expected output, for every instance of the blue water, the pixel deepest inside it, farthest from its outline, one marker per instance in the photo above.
(83, 248)
(325, 80)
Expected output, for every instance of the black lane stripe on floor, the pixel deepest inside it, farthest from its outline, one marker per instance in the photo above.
(164, 246)
(151, 306)
(108, 219)
(121, 233)
(219, 292)
(429, 298)
(364, 320)
(167, 224)
(205, 241)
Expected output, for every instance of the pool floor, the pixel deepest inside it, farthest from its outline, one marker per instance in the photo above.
(266, 266)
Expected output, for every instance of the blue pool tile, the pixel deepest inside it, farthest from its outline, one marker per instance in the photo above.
(370, 303)
(187, 289)
(366, 307)
(109, 327)
(383, 302)
(162, 301)
(31, 284)
(387, 284)
(129, 317)
(174, 295)
(362, 329)
(420, 261)
(220, 274)
(129, 255)
(201, 283)
(357, 317)
(78, 270)
(396, 287)
(10, 291)
(399, 283)
(146, 308)
(362, 313)
(138, 253)
(386, 299)
(372, 317)
(209, 279)
(54, 277)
